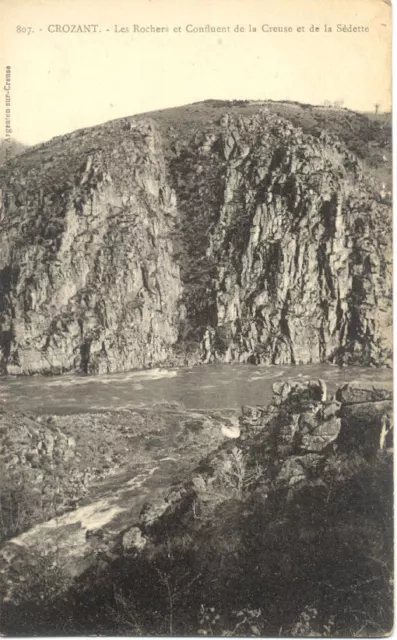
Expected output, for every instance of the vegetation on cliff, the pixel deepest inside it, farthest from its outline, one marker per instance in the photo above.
(9, 149)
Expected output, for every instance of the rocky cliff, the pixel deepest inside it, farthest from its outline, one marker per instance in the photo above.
(88, 279)
(210, 233)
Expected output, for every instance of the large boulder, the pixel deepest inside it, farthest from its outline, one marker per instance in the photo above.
(366, 426)
(354, 392)
(321, 436)
(305, 396)
(296, 470)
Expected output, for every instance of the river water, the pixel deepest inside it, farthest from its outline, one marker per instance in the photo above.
(206, 387)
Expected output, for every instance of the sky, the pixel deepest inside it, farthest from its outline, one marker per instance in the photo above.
(64, 81)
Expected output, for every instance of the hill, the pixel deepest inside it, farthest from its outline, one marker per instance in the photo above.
(14, 148)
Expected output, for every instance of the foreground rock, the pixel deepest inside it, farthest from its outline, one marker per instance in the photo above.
(308, 478)
(301, 428)
(354, 393)
(239, 236)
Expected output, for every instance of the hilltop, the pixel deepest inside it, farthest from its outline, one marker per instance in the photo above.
(368, 136)
(14, 149)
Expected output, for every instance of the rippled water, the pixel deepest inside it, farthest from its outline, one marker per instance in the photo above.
(201, 387)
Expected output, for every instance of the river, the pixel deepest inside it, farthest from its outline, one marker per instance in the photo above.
(206, 387)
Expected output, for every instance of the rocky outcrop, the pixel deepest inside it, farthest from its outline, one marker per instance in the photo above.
(87, 276)
(296, 250)
(354, 393)
(292, 440)
(300, 432)
(170, 239)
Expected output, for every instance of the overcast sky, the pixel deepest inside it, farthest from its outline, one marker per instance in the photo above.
(61, 82)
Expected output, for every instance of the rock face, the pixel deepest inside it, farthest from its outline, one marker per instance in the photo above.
(300, 419)
(88, 280)
(353, 393)
(240, 237)
(298, 434)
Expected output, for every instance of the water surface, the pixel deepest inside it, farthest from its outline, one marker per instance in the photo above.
(206, 387)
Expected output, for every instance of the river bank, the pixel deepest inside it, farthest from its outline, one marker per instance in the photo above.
(300, 503)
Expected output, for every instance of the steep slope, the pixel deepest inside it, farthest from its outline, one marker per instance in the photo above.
(210, 232)
(294, 267)
(9, 149)
(87, 279)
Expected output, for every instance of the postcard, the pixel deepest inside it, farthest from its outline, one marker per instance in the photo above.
(196, 382)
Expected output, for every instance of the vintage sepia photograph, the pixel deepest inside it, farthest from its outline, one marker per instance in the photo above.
(196, 318)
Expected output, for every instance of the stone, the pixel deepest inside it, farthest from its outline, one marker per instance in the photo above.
(308, 421)
(366, 426)
(296, 470)
(133, 539)
(287, 428)
(319, 390)
(353, 393)
(291, 472)
(281, 389)
(306, 396)
(249, 413)
(331, 409)
(321, 436)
